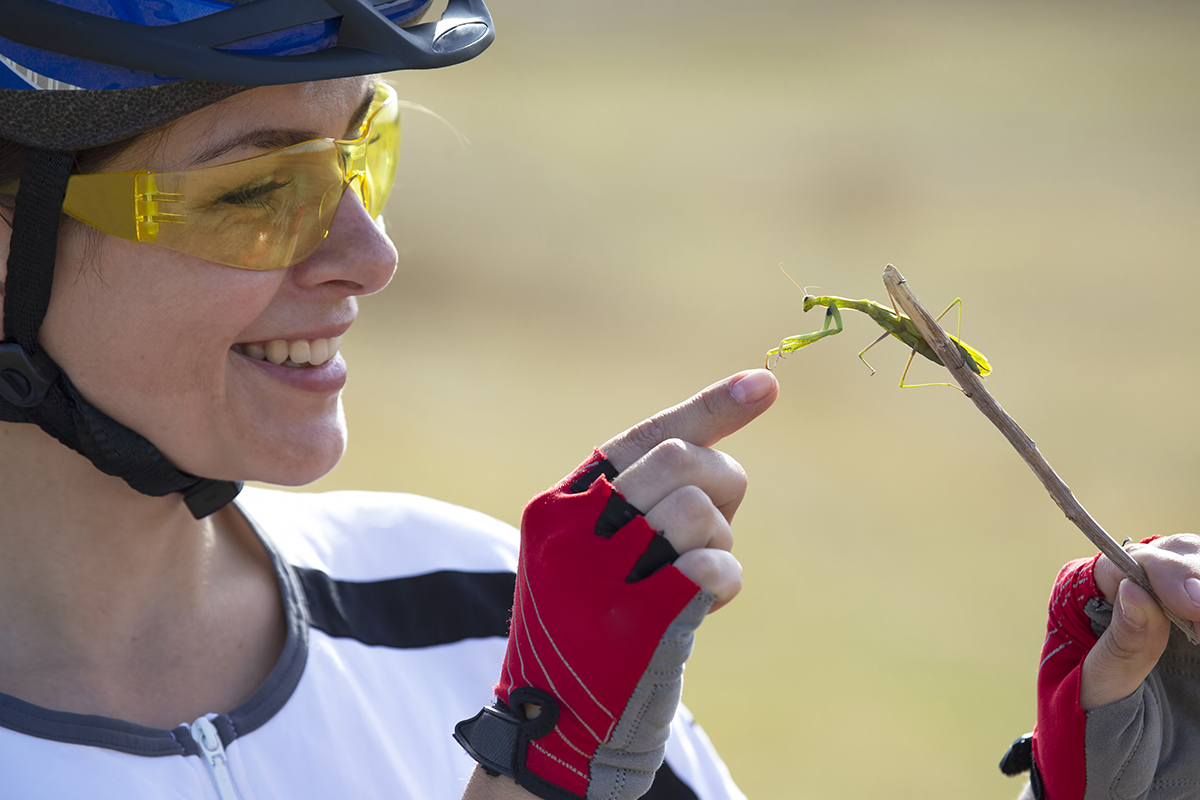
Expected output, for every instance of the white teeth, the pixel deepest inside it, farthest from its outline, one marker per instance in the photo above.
(277, 351)
(294, 353)
(318, 352)
(298, 351)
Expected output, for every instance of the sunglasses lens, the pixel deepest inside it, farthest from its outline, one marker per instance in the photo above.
(383, 154)
(261, 213)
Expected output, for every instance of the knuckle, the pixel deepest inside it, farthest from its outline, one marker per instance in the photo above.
(1164, 563)
(698, 514)
(646, 435)
(1185, 544)
(722, 539)
(736, 577)
(729, 580)
(685, 517)
(694, 505)
(705, 520)
(738, 475)
(716, 571)
(709, 404)
(1118, 646)
(671, 454)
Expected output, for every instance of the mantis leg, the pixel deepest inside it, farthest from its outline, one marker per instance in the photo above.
(938, 318)
(882, 336)
(957, 302)
(904, 385)
(793, 343)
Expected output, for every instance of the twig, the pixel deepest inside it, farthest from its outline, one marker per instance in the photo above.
(973, 388)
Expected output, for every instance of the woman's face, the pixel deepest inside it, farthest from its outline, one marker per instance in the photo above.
(165, 343)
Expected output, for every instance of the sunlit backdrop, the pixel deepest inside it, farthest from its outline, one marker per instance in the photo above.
(605, 240)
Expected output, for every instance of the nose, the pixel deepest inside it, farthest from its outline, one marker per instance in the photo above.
(356, 258)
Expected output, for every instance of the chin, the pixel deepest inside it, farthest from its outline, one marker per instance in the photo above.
(298, 472)
(293, 456)
(299, 460)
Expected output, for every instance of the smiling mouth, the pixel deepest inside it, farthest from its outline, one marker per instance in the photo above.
(291, 352)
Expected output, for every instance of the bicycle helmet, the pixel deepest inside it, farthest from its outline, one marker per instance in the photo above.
(77, 74)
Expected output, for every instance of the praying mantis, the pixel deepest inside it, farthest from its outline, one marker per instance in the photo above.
(893, 323)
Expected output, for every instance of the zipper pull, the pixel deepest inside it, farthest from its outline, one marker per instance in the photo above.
(204, 733)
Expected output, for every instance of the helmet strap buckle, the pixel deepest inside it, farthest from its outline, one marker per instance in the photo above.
(22, 383)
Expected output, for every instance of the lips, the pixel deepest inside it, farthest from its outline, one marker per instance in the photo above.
(297, 353)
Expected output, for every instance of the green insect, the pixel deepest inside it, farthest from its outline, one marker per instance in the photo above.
(893, 323)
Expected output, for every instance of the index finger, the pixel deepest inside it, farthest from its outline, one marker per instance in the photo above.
(703, 419)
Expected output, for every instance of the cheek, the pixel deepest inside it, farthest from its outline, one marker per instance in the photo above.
(145, 334)
(136, 328)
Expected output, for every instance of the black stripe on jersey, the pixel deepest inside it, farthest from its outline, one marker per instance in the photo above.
(417, 611)
(669, 786)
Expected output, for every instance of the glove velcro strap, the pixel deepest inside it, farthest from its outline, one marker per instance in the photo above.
(491, 737)
(498, 738)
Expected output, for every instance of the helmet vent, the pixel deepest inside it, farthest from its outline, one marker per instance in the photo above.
(35, 79)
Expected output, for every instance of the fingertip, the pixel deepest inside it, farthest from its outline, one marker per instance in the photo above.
(1139, 610)
(703, 419)
(754, 386)
(1192, 587)
(1130, 597)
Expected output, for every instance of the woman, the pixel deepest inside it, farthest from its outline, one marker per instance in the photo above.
(223, 168)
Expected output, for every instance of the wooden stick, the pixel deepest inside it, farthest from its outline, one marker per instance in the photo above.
(973, 388)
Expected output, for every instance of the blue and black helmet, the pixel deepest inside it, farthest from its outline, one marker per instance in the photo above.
(140, 64)
(77, 74)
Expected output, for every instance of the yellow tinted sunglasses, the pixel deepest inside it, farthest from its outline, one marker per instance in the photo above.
(261, 213)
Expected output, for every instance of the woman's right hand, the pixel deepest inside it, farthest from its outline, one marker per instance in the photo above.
(1137, 636)
(625, 555)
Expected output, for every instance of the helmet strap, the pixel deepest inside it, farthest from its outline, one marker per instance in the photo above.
(34, 389)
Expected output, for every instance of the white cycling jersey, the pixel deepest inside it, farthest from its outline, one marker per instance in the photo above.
(397, 609)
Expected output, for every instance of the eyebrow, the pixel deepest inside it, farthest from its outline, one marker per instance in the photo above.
(278, 138)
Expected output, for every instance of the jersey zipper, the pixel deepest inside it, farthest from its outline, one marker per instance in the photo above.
(204, 733)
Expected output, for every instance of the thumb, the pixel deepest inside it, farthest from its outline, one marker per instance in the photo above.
(703, 419)
(1127, 651)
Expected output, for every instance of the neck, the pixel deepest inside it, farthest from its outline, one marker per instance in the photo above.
(59, 511)
(104, 590)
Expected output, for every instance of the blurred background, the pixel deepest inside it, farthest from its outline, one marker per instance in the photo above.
(608, 241)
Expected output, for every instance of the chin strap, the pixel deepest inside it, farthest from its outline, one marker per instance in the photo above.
(34, 389)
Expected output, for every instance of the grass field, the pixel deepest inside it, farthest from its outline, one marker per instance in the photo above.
(608, 243)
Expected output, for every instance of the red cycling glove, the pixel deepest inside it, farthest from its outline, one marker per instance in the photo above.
(1059, 763)
(601, 626)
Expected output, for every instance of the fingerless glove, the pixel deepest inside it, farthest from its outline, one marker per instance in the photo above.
(602, 624)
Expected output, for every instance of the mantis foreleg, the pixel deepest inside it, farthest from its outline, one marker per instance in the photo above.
(793, 343)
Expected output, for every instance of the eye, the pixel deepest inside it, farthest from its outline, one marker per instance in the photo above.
(254, 194)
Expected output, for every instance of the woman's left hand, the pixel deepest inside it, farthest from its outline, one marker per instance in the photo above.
(1137, 636)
